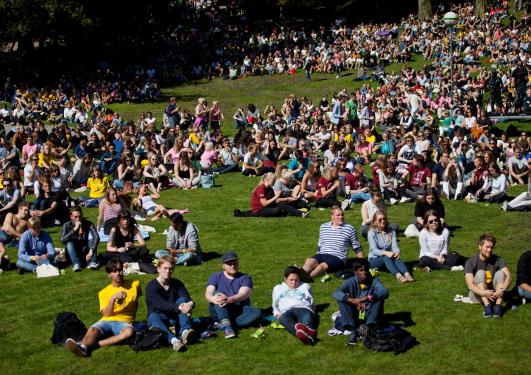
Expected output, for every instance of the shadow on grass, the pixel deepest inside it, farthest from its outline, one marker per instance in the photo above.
(401, 316)
(453, 228)
(210, 255)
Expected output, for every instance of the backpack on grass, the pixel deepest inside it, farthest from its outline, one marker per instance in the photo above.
(67, 325)
(392, 339)
(148, 339)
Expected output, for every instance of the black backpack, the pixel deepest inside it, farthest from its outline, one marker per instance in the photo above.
(393, 339)
(67, 325)
(148, 339)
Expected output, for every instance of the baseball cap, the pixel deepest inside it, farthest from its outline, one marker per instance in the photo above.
(227, 257)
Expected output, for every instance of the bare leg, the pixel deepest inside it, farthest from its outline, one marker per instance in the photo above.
(123, 336)
(319, 270)
(309, 265)
(485, 300)
(91, 337)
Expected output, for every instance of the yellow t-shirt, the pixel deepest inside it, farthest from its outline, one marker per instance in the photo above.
(126, 310)
(48, 159)
(97, 186)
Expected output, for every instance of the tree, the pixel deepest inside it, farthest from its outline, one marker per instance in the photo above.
(44, 21)
(424, 12)
(480, 8)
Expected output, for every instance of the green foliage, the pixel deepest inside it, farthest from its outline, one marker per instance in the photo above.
(25, 21)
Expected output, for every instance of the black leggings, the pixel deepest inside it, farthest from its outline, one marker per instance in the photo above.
(327, 202)
(276, 210)
(450, 260)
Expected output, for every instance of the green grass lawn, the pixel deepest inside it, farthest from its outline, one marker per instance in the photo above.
(454, 338)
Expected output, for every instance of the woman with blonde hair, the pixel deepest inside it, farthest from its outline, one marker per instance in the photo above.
(384, 250)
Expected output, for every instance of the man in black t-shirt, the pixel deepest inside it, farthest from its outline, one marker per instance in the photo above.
(487, 277)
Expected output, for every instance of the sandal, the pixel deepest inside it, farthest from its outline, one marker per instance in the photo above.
(401, 279)
(410, 279)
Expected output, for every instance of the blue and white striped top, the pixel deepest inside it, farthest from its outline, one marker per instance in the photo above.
(337, 241)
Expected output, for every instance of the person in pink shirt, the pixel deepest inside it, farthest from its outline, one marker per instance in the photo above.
(28, 149)
(209, 156)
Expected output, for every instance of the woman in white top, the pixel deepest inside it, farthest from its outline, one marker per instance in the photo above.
(434, 239)
(369, 208)
(494, 188)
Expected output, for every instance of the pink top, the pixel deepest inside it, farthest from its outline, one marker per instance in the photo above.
(208, 157)
(111, 211)
(173, 154)
(29, 150)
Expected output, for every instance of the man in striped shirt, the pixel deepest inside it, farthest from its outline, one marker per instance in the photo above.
(335, 240)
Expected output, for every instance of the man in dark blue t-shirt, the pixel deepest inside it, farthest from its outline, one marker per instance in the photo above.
(228, 294)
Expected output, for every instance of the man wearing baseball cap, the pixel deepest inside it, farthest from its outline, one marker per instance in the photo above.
(228, 293)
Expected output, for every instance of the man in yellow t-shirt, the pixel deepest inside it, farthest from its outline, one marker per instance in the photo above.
(118, 305)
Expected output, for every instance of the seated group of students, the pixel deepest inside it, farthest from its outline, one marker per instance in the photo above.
(360, 298)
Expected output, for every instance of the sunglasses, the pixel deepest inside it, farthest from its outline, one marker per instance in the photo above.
(433, 221)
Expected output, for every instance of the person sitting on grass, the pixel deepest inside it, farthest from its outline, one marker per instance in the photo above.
(434, 240)
(182, 242)
(294, 307)
(35, 247)
(12, 229)
(169, 305)
(228, 294)
(523, 276)
(145, 201)
(418, 178)
(335, 239)
(429, 202)
(118, 305)
(487, 277)
(361, 302)
(264, 200)
(81, 239)
(384, 249)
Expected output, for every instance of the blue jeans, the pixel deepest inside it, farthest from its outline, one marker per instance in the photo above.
(227, 169)
(524, 293)
(360, 197)
(77, 250)
(394, 266)
(297, 315)
(179, 258)
(31, 266)
(90, 202)
(350, 315)
(243, 316)
(163, 322)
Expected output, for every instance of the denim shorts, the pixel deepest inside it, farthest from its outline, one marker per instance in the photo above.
(111, 327)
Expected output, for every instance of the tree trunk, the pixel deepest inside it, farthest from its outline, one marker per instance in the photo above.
(424, 10)
(480, 8)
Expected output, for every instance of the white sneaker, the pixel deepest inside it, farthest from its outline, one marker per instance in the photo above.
(345, 204)
(335, 315)
(393, 201)
(504, 206)
(92, 266)
(347, 332)
(177, 345)
(188, 336)
(76, 268)
(404, 200)
(457, 268)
